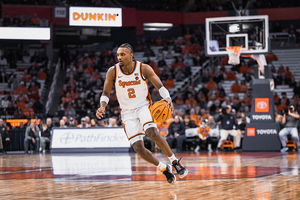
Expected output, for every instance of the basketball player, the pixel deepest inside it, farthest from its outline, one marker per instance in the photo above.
(131, 86)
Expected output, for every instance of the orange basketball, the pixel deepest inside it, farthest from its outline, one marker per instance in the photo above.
(160, 112)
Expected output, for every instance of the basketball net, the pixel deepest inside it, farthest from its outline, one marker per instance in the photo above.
(234, 53)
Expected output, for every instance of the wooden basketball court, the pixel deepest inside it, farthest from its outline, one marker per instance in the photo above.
(259, 176)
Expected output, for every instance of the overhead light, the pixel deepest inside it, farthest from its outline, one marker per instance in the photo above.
(157, 26)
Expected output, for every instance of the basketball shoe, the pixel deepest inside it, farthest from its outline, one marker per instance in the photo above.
(171, 178)
(181, 170)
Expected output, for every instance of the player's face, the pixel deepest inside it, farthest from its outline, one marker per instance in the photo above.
(124, 56)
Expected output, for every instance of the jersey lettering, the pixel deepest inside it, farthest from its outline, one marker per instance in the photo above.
(129, 83)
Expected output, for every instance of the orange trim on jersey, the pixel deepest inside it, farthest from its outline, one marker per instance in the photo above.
(115, 73)
(144, 79)
(125, 130)
(148, 97)
(147, 122)
(136, 135)
(131, 72)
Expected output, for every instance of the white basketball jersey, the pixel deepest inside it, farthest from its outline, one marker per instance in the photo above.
(131, 89)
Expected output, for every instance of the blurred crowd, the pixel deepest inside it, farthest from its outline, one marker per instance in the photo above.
(22, 21)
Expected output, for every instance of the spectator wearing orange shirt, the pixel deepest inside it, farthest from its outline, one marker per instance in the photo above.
(204, 137)
(271, 57)
(169, 82)
(247, 99)
(95, 75)
(26, 77)
(22, 88)
(187, 36)
(21, 104)
(163, 128)
(190, 100)
(276, 98)
(35, 20)
(193, 115)
(235, 88)
(24, 98)
(179, 98)
(243, 87)
(224, 61)
(288, 73)
(179, 63)
(42, 75)
(90, 69)
(28, 111)
(284, 97)
(211, 85)
(203, 113)
(158, 41)
(282, 106)
(65, 98)
(230, 76)
(243, 69)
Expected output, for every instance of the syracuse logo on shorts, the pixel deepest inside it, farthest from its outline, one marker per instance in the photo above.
(250, 132)
(261, 104)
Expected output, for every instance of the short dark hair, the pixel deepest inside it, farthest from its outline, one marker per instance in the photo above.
(128, 46)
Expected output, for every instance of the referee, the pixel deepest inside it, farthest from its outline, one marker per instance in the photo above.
(227, 122)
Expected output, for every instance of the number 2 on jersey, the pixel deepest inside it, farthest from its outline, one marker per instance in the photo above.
(131, 93)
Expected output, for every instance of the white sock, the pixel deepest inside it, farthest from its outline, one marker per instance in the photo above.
(161, 165)
(172, 158)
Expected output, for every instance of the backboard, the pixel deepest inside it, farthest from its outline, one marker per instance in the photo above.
(250, 32)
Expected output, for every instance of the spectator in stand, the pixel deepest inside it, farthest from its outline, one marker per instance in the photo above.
(271, 57)
(284, 97)
(22, 21)
(70, 111)
(16, 20)
(163, 128)
(6, 20)
(22, 88)
(158, 41)
(83, 123)
(243, 68)
(230, 76)
(45, 136)
(3, 61)
(112, 122)
(293, 34)
(32, 138)
(176, 132)
(62, 124)
(188, 123)
(21, 104)
(187, 37)
(235, 88)
(5, 102)
(28, 111)
(72, 122)
(211, 85)
(94, 123)
(169, 82)
(289, 74)
(35, 21)
(44, 22)
(28, 20)
(204, 136)
(190, 100)
(42, 75)
(3, 77)
(26, 77)
(282, 106)
(4, 136)
(243, 87)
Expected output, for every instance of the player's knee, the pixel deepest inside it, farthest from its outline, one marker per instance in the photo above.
(138, 146)
(153, 133)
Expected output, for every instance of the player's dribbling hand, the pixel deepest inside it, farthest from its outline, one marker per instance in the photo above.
(100, 112)
(169, 103)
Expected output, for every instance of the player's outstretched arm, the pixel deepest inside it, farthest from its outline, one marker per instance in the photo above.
(148, 73)
(108, 84)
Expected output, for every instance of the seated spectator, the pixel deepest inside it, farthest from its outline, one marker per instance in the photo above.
(158, 41)
(169, 82)
(62, 124)
(22, 21)
(72, 122)
(112, 122)
(33, 87)
(243, 87)
(22, 88)
(230, 76)
(21, 104)
(176, 133)
(6, 20)
(5, 102)
(16, 21)
(187, 36)
(3, 77)
(243, 68)
(276, 98)
(33, 95)
(163, 128)
(28, 20)
(235, 88)
(94, 123)
(21, 127)
(289, 73)
(4, 136)
(35, 21)
(26, 77)
(32, 138)
(284, 97)
(42, 75)
(44, 22)
(83, 123)
(211, 85)
(188, 123)
(70, 111)
(28, 111)
(271, 57)
(190, 100)
(45, 136)
(204, 137)
(3, 61)
(282, 106)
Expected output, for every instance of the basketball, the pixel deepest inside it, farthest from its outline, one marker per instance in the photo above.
(160, 112)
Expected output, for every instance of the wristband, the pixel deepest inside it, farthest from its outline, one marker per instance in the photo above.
(104, 98)
(164, 93)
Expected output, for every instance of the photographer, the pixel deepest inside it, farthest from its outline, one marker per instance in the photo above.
(290, 120)
(227, 121)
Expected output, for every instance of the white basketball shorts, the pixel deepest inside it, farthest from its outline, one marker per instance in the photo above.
(136, 122)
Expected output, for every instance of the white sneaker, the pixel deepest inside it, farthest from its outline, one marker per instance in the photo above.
(209, 148)
(197, 149)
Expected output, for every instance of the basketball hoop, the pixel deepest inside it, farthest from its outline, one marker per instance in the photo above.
(234, 53)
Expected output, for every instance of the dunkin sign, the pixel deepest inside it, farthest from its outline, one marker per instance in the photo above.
(88, 16)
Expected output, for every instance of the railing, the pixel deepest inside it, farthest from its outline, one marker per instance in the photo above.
(53, 86)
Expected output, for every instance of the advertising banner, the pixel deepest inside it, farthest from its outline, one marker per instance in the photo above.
(88, 16)
(24, 33)
(64, 138)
